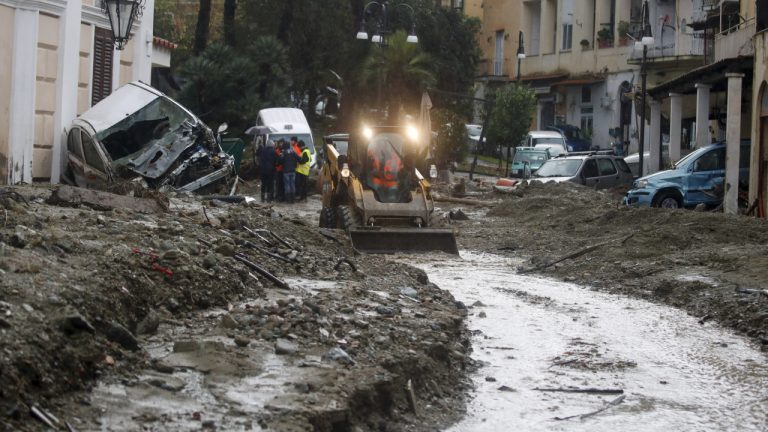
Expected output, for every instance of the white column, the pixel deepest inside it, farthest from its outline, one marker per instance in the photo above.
(702, 115)
(654, 137)
(116, 54)
(732, 143)
(22, 112)
(69, 67)
(142, 39)
(675, 125)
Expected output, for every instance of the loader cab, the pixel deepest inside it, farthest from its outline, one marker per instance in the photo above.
(387, 162)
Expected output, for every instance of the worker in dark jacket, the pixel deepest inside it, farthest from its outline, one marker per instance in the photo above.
(267, 159)
(289, 160)
(280, 191)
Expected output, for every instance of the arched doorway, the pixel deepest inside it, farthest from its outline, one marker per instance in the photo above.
(762, 156)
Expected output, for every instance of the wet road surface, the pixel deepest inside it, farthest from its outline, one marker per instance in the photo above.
(529, 333)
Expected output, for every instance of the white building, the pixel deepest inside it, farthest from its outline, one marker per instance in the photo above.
(56, 61)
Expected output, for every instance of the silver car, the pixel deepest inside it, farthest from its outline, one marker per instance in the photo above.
(594, 169)
(138, 133)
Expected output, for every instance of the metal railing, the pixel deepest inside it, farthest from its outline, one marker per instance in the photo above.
(735, 41)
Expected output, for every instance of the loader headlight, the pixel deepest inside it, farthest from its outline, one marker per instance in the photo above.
(367, 132)
(412, 133)
(345, 170)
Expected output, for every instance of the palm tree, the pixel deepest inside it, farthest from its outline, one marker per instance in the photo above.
(401, 68)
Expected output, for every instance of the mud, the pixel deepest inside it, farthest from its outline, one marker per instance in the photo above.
(713, 266)
(116, 320)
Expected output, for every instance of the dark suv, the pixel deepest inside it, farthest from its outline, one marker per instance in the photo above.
(599, 169)
(575, 139)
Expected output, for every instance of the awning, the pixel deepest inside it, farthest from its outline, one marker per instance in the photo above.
(712, 74)
(579, 81)
(549, 77)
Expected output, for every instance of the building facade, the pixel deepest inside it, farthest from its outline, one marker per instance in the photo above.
(581, 61)
(56, 61)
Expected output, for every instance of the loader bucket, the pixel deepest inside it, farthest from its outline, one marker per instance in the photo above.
(407, 240)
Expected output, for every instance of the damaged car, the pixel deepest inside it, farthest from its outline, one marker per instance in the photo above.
(139, 134)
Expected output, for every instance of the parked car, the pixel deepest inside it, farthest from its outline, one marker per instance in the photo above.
(575, 139)
(138, 132)
(633, 161)
(553, 141)
(600, 170)
(695, 179)
(527, 161)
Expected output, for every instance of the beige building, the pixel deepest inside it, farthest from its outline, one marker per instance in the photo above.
(758, 180)
(581, 60)
(57, 60)
(471, 8)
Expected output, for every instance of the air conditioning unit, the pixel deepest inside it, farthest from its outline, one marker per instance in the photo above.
(606, 102)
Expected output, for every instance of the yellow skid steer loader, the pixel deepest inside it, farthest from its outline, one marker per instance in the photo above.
(373, 189)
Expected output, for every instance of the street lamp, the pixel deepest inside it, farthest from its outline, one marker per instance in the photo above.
(644, 42)
(121, 14)
(382, 28)
(520, 53)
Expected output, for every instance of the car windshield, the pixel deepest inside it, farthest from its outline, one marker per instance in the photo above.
(532, 157)
(559, 168)
(548, 140)
(142, 128)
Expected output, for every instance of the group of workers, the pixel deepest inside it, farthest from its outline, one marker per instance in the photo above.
(284, 170)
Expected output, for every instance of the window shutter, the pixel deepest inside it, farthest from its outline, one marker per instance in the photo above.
(102, 65)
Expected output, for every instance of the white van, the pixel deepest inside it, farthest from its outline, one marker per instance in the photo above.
(284, 123)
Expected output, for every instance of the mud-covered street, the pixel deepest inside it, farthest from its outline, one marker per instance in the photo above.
(564, 311)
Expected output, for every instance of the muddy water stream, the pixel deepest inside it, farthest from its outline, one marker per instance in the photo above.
(532, 333)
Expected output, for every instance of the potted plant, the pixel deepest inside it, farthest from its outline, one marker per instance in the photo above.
(605, 38)
(623, 29)
(584, 44)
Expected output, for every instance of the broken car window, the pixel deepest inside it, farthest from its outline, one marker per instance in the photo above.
(92, 156)
(135, 132)
(73, 143)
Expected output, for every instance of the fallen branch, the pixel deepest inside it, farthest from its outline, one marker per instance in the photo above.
(266, 252)
(581, 390)
(345, 260)
(262, 271)
(466, 201)
(259, 236)
(576, 254)
(610, 404)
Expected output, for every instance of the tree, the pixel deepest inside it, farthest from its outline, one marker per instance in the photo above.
(203, 26)
(511, 115)
(230, 7)
(402, 69)
(451, 137)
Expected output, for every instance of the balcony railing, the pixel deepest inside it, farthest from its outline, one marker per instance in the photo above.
(735, 41)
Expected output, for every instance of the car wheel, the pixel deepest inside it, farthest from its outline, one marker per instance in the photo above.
(668, 199)
(327, 218)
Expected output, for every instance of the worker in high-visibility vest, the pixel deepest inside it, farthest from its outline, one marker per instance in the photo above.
(302, 171)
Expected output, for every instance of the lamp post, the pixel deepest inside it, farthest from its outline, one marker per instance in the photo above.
(520, 53)
(382, 24)
(643, 42)
(121, 14)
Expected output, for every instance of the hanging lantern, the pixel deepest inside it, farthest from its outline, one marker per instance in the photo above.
(121, 14)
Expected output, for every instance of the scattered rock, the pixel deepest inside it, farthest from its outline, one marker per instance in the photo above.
(285, 347)
(209, 424)
(339, 355)
(506, 389)
(227, 321)
(242, 341)
(457, 215)
(478, 304)
(120, 335)
(490, 379)
(149, 324)
(460, 305)
(162, 367)
(482, 315)
(410, 292)
(185, 346)
(384, 310)
(73, 322)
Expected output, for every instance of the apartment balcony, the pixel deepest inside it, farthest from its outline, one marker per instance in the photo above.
(495, 70)
(736, 41)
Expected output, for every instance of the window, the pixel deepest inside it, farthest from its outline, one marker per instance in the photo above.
(457, 4)
(586, 95)
(567, 24)
(711, 161)
(103, 49)
(590, 168)
(761, 15)
(623, 166)
(91, 154)
(73, 143)
(606, 167)
(498, 63)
